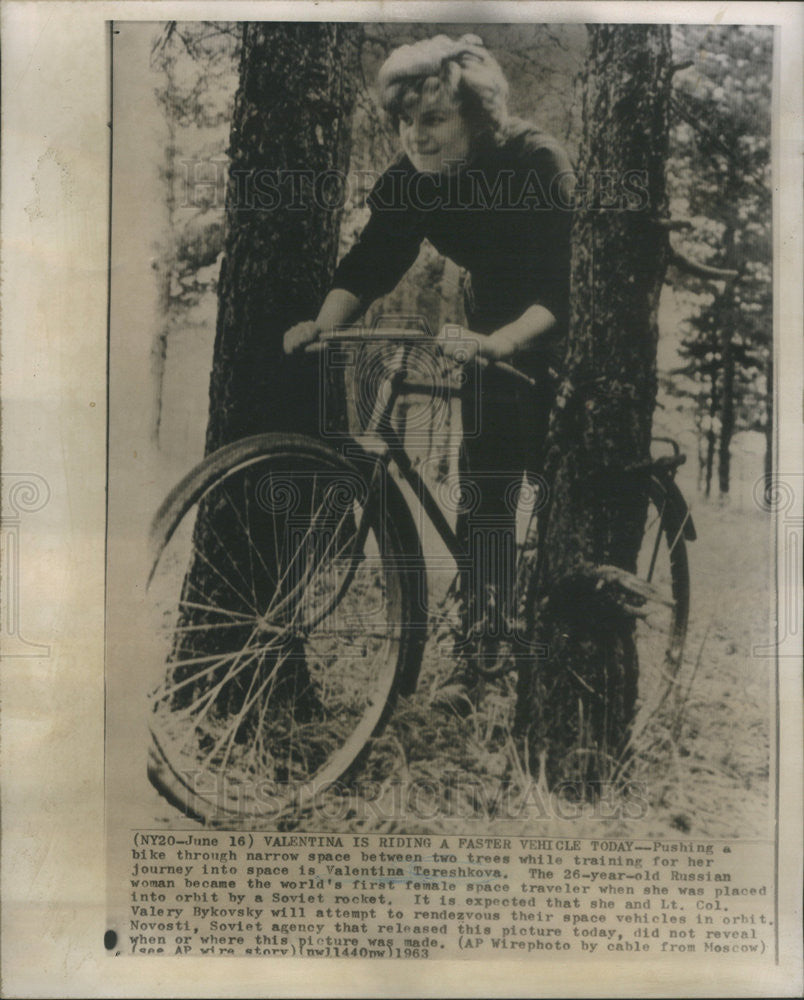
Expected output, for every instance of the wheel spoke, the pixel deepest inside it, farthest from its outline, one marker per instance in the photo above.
(218, 686)
(194, 606)
(248, 701)
(306, 581)
(252, 548)
(217, 660)
(203, 627)
(225, 547)
(210, 565)
(291, 562)
(285, 640)
(680, 532)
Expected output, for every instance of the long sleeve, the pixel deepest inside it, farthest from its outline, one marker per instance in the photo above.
(551, 275)
(388, 244)
(517, 246)
(540, 259)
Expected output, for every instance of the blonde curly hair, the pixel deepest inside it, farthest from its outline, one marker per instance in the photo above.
(462, 70)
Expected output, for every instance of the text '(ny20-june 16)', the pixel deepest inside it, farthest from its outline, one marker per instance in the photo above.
(355, 896)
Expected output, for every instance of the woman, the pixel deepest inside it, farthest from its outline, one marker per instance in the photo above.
(493, 193)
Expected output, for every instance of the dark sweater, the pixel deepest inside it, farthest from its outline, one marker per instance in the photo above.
(505, 216)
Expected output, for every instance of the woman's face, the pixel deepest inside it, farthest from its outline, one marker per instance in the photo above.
(434, 135)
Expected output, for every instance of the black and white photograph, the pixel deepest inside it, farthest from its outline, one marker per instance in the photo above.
(458, 374)
(402, 537)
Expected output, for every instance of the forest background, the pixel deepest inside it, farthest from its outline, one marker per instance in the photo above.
(715, 350)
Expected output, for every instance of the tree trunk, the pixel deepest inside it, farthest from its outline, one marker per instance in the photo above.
(166, 265)
(727, 412)
(290, 130)
(289, 151)
(730, 319)
(575, 705)
(711, 435)
(711, 441)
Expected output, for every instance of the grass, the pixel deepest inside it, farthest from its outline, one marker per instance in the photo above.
(698, 760)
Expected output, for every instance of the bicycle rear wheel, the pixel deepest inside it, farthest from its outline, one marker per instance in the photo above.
(282, 624)
(662, 562)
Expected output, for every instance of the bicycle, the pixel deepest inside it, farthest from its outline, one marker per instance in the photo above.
(289, 583)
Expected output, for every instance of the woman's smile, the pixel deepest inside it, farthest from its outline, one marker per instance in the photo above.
(435, 138)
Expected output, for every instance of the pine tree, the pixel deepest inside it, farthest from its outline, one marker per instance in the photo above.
(575, 704)
(719, 176)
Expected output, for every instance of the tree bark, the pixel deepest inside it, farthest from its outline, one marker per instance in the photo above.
(711, 441)
(727, 413)
(575, 704)
(166, 266)
(289, 152)
(711, 435)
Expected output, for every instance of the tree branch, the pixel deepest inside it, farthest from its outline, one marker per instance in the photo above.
(684, 263)
(678, 67)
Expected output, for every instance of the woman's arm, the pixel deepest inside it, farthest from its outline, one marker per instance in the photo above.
(521, 335)
(504, 344)
(339, 308)
(384, 251)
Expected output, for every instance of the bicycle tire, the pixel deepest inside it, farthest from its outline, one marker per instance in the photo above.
(661, 636)
(288, 589)
(620, 696)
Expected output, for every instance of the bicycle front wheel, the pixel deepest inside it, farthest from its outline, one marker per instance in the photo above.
(281, 615)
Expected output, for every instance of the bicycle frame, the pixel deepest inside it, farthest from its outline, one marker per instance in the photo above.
(249, 653)
(381, 440)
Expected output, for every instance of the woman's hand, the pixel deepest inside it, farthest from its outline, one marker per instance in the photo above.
(301, 335)
(463, 346)
(338, 309)
(459, 344)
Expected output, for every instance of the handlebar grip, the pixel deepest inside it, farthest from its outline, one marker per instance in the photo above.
(509, 370)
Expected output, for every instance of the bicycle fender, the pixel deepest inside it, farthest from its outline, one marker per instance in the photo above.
(194, 484)
(676, 498)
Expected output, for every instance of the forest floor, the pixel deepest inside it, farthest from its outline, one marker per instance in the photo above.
(701, 767)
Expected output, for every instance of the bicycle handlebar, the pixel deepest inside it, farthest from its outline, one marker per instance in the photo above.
(402, 336)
